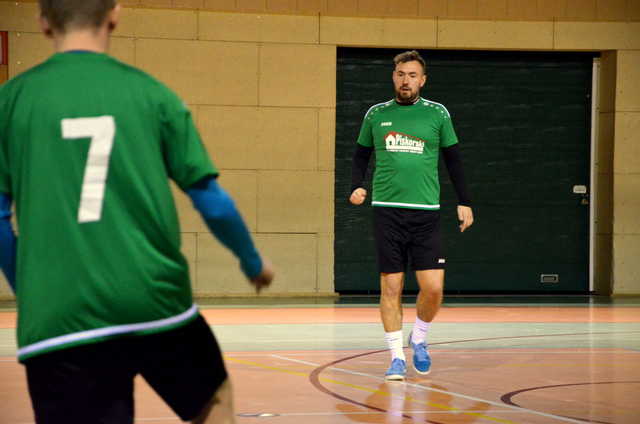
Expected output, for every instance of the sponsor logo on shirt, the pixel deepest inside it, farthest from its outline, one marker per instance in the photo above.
(397, 142)
(386, 124)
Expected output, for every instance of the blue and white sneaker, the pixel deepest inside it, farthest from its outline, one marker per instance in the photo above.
(396, 371)
(421, 358)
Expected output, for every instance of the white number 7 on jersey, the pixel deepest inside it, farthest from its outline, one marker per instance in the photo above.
(101, 129)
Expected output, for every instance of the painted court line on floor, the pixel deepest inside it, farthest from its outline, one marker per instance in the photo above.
(332, 368)
(376, 339)
(460, 395)
(436, 351)
(334, 413)
(375, 391)
(174, 419)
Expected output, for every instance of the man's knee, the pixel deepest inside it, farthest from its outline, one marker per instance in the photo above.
(391, 285)
(433, 292)
(431, 281)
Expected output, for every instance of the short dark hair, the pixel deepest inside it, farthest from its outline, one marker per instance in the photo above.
(410, 56)
(63, 15)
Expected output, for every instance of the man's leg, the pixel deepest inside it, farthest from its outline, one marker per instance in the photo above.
(220, 409)
(431, 283)
(391, 285)
(391, 238)
(186, 368)
(428, 262)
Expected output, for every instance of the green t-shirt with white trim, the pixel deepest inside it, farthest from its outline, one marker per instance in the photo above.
(407, 141)
(87, 147)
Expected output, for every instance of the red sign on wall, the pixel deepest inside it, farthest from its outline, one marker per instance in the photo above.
(4, 48)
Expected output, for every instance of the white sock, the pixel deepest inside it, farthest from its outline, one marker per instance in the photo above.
(394, 341)
(420, 329)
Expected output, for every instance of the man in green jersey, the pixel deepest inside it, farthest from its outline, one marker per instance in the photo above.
(408, 133)
(87, 145)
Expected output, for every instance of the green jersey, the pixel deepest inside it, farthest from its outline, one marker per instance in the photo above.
(87, 145)
(407, 141)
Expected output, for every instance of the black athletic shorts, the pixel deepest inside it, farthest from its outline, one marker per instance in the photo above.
(94, 383)
(407, 236)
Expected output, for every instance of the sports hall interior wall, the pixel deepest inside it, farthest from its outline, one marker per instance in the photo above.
(260, 78)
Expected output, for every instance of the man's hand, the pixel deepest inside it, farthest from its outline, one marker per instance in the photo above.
(465, 216)
(265, 277)
(358, 196)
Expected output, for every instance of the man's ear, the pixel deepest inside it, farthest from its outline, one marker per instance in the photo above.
(113, 18)
(45, 27)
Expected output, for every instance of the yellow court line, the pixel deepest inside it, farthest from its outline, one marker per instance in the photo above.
(370, 390)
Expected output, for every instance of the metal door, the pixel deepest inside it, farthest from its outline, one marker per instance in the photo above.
(523, 120)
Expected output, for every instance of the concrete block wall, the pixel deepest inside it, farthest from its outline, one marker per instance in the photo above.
(521, 10)
(259, 76)
(264, 102)
(626, 174)
(4, 67)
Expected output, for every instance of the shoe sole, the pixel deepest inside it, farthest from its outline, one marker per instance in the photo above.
(394, 377)
(421, 372)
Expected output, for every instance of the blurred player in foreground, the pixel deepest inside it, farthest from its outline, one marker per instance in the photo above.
(87, 148)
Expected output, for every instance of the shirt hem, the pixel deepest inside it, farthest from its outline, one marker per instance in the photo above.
(100, 334)
(405, 205)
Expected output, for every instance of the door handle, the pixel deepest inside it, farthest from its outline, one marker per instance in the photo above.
(583, 192)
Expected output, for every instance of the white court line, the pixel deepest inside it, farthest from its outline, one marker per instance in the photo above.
(259, 353)
(430, 389)
(333, 413)
(294, 414)
(332, 368)
(433, 352)
(377, 340)
(174, 419)
(314, 340)
(537, 353)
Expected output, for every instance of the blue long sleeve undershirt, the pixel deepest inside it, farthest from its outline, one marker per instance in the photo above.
(8, 241)
(223, 219)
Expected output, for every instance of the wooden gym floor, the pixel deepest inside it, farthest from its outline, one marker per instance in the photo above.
(526, 360)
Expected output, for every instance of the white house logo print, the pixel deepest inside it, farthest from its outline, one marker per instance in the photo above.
(402, 143)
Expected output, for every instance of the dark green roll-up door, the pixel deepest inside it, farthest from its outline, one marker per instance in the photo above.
(524, 121)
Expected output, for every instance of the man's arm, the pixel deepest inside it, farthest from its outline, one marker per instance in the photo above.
(8, 241)
(358, 170)
(364, 148)
(223, 219)
(453, 160)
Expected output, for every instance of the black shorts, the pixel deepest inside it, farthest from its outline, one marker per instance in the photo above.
(94, 383)
(406, 236)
